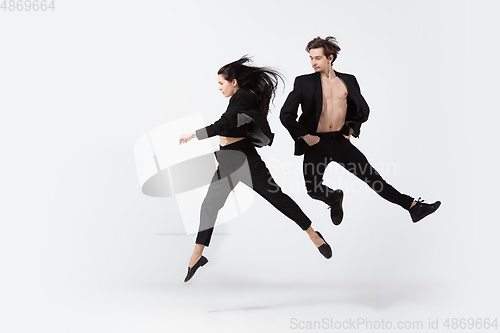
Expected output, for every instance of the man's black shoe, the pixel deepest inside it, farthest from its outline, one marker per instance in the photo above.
(336, 212)
(421, 209)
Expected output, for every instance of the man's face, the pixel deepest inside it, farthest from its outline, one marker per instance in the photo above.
(319, 62)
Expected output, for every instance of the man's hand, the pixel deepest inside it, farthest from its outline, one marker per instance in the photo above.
(185, 138)
(348, 137)
(311, 140)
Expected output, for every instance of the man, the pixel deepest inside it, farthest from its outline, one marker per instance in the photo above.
(333, 110)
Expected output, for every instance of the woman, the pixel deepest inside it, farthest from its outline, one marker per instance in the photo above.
(242, 127)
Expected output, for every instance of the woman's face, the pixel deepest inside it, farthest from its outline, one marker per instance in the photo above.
(227, 88)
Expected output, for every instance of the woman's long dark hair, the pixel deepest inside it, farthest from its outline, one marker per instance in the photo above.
(261, 80)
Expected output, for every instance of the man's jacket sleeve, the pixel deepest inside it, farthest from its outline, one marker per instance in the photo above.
(360, 115)
(288, 114)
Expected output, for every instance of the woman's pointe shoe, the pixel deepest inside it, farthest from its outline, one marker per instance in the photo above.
(325, 249)
(191, 270)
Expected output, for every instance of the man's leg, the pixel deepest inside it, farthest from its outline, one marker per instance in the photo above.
(313, 168)
(355, 162)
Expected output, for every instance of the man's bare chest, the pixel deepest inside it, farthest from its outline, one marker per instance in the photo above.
(334, 89)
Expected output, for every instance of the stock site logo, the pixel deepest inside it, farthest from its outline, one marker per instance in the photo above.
(184, 173)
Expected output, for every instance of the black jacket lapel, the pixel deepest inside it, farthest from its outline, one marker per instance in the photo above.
(350, 86)
(318, 95)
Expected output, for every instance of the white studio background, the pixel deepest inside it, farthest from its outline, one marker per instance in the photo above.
(83, 250)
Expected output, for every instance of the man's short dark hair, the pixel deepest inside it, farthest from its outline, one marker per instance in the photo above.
(329, 45)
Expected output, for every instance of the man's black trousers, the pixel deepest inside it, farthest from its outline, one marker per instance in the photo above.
(333, 146)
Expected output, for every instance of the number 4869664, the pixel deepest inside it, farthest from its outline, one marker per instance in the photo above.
(27, 5)
(470, 323)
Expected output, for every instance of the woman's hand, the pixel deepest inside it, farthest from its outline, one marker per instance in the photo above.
(185, 138)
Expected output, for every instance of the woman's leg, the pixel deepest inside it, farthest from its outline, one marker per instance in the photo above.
(214, 200)
(197, 252)
(217, 194)
(314, 237)
(264, 184)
